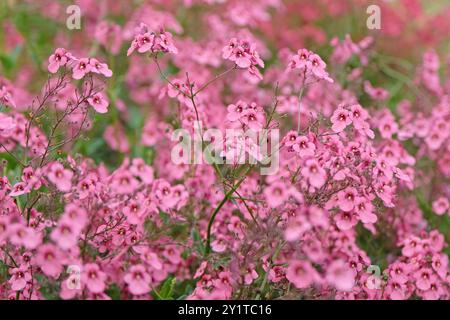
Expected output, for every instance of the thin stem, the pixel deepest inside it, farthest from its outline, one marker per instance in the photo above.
(12, 155)
(271, 264)
(239, 197)
(167, 79)
(220, 75)
(221, 204)
(300, 96)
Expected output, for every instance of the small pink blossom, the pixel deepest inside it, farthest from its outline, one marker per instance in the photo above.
(138, 280)
(315, 174)
(301, 274)
(59, 176)
(99, 103)
(341, 118)
(20, 277)
(340, 275)
(81, 68)
(94, 278)
(58, 59)
(49, 258)
(441, 206)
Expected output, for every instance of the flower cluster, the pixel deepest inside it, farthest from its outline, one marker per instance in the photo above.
(249, 115)
(146, 41)
(319, 181)
(243, 53)
(80, 66)
(311, 67)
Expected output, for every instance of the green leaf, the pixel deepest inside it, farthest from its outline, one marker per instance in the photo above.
(167, 288)
(198, 243)
(114, 292)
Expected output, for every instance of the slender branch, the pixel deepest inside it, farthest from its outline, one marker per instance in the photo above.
(12, 155)
(220, 75)
(219, 206)
(155, 58)
(300, 95)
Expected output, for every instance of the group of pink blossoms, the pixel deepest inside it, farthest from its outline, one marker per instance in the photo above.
(333, 176)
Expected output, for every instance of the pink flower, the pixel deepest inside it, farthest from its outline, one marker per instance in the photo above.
(65, 234)
(296, 227)
(93, 278)
(441, 206)
(134, 213)
(340, 275)
(290, 139)
(59, 176)
(49, 258)
(100, 68)
(152, 260)
(228, 50)
(439, 263)
(378, 94)
(244, 55)
(58, 59)
(385, 193)
(250, 275)
(435, 292)
(301, 274)
(387, 127)
(236, 111)
(145, 42)
(219, 244)
(19, 189)
(434, 139)
(345, 220)
(276, 194)
(153, 42)
(317, 66)
(176, 88)
(315, 174)
(164, 194)
(341, 118)
(300, 60)
(311, 65)
(165, 41)
(241, 58)
(364, 209)
(411, 246)
(347, 199)
(396, 290)
(76, 214)
(253, 119)
(20, 277)
(81, 68)
(99, 103)
(358, 116)
(173, 254)
(304, 147)
(7, 125)
(424, 277)
(399, 272)
(6, 99)
(276, 274)
(140, 169)
(22, 235)
(138, 280)
(201, 269)
(123, 182)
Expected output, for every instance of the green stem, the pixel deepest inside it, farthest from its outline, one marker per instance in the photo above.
(220, 205)
(300, 95)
